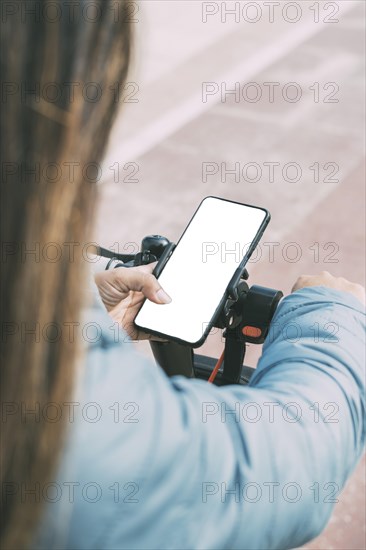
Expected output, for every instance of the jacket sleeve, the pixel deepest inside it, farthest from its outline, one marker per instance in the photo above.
(237, 467)
(277, 454)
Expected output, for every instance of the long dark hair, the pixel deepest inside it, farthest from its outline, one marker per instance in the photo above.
(59, 69)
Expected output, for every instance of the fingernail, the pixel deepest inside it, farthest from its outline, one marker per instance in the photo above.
(163, 297)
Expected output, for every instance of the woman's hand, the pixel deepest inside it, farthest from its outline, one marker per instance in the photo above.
(326, 279)
(123, 291)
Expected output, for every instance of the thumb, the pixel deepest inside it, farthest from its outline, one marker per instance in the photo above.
(148, 285)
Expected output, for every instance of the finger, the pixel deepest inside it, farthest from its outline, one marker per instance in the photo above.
(142, 281)
(301, 282)
(147, 268)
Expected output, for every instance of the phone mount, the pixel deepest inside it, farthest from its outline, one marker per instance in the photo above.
(245, 318)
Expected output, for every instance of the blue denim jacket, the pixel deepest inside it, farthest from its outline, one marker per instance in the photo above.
(154, 463)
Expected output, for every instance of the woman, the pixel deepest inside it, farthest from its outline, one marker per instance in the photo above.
(99, 448)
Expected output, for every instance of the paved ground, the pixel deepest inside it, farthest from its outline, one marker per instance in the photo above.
(175, 144)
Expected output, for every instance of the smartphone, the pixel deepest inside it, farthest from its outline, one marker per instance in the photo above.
(211, 254)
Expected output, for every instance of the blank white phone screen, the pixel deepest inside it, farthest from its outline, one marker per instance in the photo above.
(198, 272)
